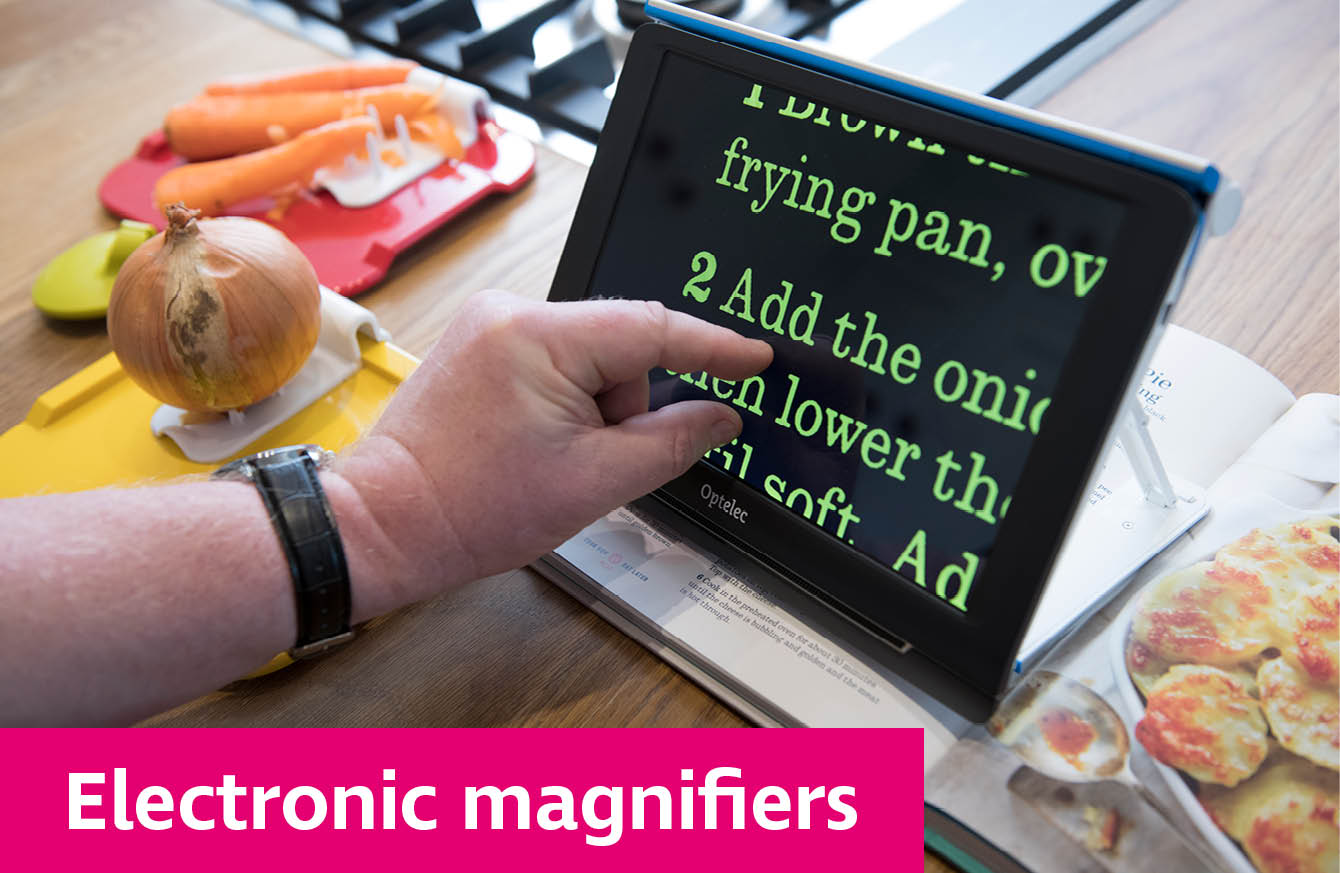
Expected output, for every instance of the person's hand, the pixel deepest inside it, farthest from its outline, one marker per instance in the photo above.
(528, 421)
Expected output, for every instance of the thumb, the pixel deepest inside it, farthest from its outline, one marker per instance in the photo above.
(645, 451)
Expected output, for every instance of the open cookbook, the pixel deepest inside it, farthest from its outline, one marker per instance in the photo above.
(1207, 679)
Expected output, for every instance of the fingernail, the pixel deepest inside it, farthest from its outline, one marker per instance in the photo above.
(725, 430)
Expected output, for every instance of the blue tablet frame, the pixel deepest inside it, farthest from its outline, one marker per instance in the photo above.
(1202, 180)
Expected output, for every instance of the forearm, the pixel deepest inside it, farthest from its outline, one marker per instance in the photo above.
(526, 422)
(116, 604)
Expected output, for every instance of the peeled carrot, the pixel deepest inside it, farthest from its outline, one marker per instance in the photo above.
(330, 77)
(213, 186)
(218, 126)
(436, 130)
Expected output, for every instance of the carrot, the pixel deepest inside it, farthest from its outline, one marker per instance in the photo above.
(437, 131)
(217, 126)
(213, 186)
(330, 77)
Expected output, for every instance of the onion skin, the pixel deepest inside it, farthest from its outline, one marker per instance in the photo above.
(214, 314)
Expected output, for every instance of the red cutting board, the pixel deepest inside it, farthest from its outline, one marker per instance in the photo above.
(351, 249)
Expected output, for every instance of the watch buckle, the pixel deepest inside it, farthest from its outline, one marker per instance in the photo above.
(320, 647)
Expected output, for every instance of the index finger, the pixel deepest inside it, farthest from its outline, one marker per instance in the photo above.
(602, 343)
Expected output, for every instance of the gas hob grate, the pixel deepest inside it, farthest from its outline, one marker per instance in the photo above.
(553, 60)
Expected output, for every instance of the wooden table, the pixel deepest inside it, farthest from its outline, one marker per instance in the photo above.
(1251, 83)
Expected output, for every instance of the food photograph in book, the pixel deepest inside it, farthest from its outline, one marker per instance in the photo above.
(1233, 664)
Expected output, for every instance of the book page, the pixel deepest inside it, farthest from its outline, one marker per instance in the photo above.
(779, 654)
(1059, 822)
(1205, 404)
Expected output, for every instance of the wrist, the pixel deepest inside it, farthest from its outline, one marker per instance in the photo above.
(398, 540)
(374, 565)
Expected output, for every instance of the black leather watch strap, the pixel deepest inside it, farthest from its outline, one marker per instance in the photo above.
(288, 484)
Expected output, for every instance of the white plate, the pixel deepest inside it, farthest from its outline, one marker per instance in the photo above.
(1227, 850)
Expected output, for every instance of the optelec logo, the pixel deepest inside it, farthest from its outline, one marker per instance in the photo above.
(719, 502)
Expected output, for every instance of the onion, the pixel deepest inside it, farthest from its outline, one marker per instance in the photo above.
(214, 314)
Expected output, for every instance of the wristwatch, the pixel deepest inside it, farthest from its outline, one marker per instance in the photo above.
(287, 481)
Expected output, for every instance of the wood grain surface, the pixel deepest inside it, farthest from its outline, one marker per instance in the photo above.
(1250, 83)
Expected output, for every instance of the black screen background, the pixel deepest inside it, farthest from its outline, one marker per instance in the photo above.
(670, 208)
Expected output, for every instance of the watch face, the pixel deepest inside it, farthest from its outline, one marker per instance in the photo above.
(242, 467)
(311, 450)
(238, 469)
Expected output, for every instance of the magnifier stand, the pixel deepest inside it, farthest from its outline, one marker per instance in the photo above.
(1113, 535)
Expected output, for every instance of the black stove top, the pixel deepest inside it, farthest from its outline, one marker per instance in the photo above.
(553, 63)
(553, 60)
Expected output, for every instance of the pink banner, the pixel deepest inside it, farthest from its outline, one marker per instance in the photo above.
(604, 799)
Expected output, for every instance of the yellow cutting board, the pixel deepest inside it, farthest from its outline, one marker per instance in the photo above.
(92, 430)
